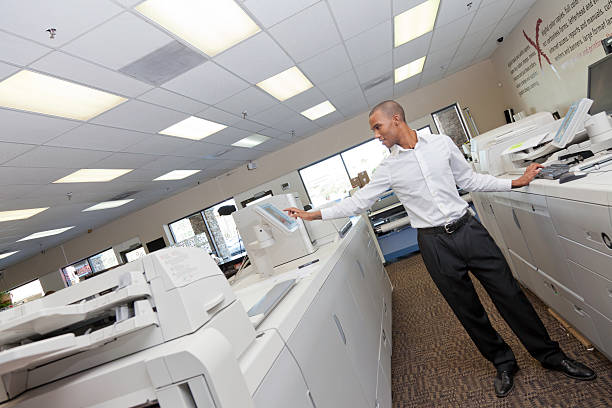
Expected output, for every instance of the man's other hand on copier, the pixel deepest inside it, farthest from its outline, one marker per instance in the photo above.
(528, 176)
(305, 215)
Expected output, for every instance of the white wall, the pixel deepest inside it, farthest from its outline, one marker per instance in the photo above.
(570, 36)
(475, 87)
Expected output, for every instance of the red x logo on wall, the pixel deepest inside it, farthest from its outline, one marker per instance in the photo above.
(536, 44)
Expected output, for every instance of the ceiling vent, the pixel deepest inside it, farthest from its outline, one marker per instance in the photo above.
(123, 196)
(376, 81)
(163, 64)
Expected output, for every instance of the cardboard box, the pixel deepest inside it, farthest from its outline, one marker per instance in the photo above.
(363, 178)
(355, 182)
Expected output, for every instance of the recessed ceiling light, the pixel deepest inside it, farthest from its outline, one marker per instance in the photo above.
(251, 141)
(209, 25)
(108, 204)
(415, 22)
(93, 175)
(20, 214)
(43, 234)
(320, 110)
(193, 128)
(286, 84)
(34, 92)
(408, 70)
(177, 175)
(7, 254)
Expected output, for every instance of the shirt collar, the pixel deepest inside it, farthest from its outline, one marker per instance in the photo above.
(397, 149)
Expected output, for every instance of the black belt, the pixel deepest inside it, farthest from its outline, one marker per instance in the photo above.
(447, 228)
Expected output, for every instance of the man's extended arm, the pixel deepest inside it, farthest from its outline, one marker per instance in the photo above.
(358, 203)
(469, 180)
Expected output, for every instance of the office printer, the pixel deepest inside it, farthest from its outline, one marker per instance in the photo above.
(139, 335)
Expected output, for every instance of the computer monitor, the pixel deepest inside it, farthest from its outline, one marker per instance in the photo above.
(277, 218)
(600, 85)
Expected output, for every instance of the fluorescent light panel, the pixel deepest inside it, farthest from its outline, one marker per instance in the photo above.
(93, 175)
(251, 141)
(193, 128)
(411, 69)
(43, 234)
(209, 25)
(7, 254)
(320, 110)
(34, 92)
(20, 214)
(415, 22)
(108, 204)
(177, 175)
(286, 84)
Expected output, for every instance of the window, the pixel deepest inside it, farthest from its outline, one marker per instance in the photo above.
(191, 232)
(425, 130)
(103, 261)
(80, 270)
(449, 121)
(326, 180)
(134, 254)
(367, 156)
(223, 231)
(27, 292)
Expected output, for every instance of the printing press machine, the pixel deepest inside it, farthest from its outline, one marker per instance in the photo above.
(555, 233)
(168, 330)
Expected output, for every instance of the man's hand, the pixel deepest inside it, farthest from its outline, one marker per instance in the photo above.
(528, 176)
(305, 215)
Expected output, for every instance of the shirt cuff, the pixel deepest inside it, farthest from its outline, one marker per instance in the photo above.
(327, 213)
(507, 184)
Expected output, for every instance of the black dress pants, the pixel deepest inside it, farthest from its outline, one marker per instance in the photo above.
(449, 257)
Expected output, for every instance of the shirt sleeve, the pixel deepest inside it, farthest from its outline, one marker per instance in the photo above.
(469, 180)
(362, 199)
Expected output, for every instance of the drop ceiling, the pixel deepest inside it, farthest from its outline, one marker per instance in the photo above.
(344, 47)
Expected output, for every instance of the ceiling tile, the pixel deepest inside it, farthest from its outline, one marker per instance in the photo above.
(201, 165)
(71, 18)
(32, 175)
(97, 137)
(250, 125)
(228, 136)
(330, 119)
(340, 84)
(399, 6)
(157, 144)
(507, 25)
(274, 133)
(141, 116)
(406, 86)
(441, 58)
(272, 145)
(168, 163)
(124, 161)
(274, 115)
(219, 116)
(353, 20)
(119, 41)
(9, 151)
(162, 97)
(450, 33)
(379, 93)
(22, 127)
(208, 83)
(76, 70)
(371, 43)
(307, 33)
(451, 10)
(270, 12)
(255, 59)
(242, 153)
(200, 149)
(520, 5)
(252, 100)
(6, 70)
(412, 50)
(378, 67)
(489, 14)
(128, 3)
(14, 191)
(350, 102)
(327, 64)
(431, 76)
(19, 51)
(487, 49)
(298, 123)
(48, 156)
(306, 100)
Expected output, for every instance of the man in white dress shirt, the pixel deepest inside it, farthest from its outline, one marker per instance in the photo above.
(423, 172)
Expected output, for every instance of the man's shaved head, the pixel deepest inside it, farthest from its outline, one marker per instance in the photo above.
(390, 108)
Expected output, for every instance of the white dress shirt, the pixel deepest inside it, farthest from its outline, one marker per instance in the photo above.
(424, 180)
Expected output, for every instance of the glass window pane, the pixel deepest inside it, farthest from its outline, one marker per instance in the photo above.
(426, 130)
(135, 254)
(223, 230)
(104, 260)
(326, 181)
(366, 156)
(191, 232)
(27, 292)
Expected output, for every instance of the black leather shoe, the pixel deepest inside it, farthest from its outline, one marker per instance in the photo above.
(504, 382)
(573, 369)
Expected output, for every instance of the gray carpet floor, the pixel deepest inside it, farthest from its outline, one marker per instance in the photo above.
(435, 364)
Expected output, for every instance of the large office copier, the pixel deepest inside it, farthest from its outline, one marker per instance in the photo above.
(169, 330)
(556, 233)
